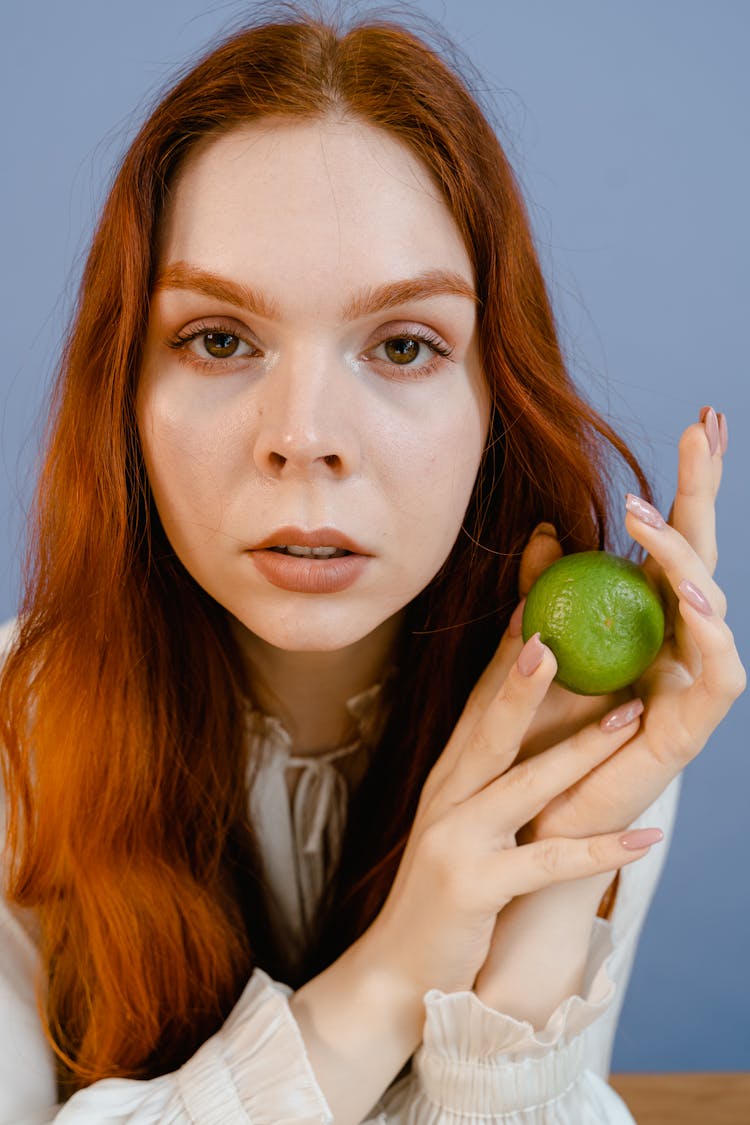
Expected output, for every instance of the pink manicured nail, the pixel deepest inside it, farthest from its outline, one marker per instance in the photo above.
(644, 511)
(711, 424)
(695, 597)
(530, 656)
(641, 838)
(723, 434)
(622, 715)
(516, 619)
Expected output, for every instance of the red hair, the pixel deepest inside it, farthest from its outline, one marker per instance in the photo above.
(121, 700)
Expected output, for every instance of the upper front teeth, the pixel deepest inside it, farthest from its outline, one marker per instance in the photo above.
(310, 552)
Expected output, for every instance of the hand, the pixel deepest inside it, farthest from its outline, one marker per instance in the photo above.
(696, 676)
(461, 865)
(687, 690)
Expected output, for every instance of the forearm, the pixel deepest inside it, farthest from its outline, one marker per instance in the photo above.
(359, 1026)
(539, 950)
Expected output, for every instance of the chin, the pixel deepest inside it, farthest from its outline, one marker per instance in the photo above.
(299, 633)
(318, 628)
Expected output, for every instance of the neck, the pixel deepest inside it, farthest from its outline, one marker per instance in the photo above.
(308, 691)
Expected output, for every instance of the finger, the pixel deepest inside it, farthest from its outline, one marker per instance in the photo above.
(496, 736)
(485, 689)
(677, 725)
(722, 678)
(698, 476)
(532, 867)
(671, 551)
(540, 552)
(524, 790)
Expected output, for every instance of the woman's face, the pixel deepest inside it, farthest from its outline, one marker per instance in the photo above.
(311, 378)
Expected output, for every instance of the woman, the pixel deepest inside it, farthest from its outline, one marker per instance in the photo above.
(288, 800)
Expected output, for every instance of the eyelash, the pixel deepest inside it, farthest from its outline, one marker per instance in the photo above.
(440, 349)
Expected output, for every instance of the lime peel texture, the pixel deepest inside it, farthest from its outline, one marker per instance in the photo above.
(601, 618)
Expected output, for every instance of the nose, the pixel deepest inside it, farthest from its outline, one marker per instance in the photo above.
(307, 423)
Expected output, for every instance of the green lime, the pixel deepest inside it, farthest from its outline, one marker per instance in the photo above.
(601, 618)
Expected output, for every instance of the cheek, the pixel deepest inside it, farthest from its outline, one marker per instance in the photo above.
(438, 466)
(188, 451)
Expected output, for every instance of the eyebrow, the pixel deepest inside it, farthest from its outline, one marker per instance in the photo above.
(431, 283)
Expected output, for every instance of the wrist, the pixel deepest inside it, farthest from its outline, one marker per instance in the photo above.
(539, 950)
(365, 979)
(360, 1021)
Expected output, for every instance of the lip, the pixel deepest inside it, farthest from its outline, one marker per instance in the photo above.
(310, 576)
(319, 537)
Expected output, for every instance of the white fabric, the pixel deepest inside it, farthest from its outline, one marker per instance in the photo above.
(298, 808)
(474, 1064)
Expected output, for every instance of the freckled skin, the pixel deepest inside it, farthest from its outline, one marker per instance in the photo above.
(316, 427)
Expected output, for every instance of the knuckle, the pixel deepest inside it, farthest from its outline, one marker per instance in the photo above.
(433, 844)
(595, 850)
(522, 779)
(482, 744)
(441, 849)
(736, 681)
(550, 855)
(509, 694)
(681, 742)
(733, 676)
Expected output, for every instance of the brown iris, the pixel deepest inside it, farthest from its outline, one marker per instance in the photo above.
(402, 349)
(220, 345)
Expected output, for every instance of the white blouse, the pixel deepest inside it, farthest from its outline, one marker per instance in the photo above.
(474, 1064)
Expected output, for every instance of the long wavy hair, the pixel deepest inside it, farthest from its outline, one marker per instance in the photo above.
(121, 700)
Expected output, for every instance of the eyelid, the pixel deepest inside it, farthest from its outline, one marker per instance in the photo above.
(441, 349)
(394, 328)
(219, 323)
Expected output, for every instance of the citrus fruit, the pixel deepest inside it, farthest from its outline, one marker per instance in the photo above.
(600, 617)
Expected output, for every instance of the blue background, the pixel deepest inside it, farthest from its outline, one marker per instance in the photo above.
(628, 126)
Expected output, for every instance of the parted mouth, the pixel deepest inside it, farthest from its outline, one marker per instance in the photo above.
(320, 543)
(310, 552)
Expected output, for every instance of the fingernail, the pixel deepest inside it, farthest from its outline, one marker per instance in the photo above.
(530, 656)
(622, 715)
(711, 425)
(723, 433)
(644, 511)
(516, 619)
(641, 838)
(695, 597)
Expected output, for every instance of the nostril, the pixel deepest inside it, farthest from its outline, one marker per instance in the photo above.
(277, 460)
(333, 460)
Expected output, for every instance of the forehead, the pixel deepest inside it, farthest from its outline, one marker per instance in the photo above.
(330, 198)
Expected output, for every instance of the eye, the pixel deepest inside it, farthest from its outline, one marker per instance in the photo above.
(207, 344)
(420, 350)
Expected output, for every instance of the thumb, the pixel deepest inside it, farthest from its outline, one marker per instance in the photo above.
(540, 552)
